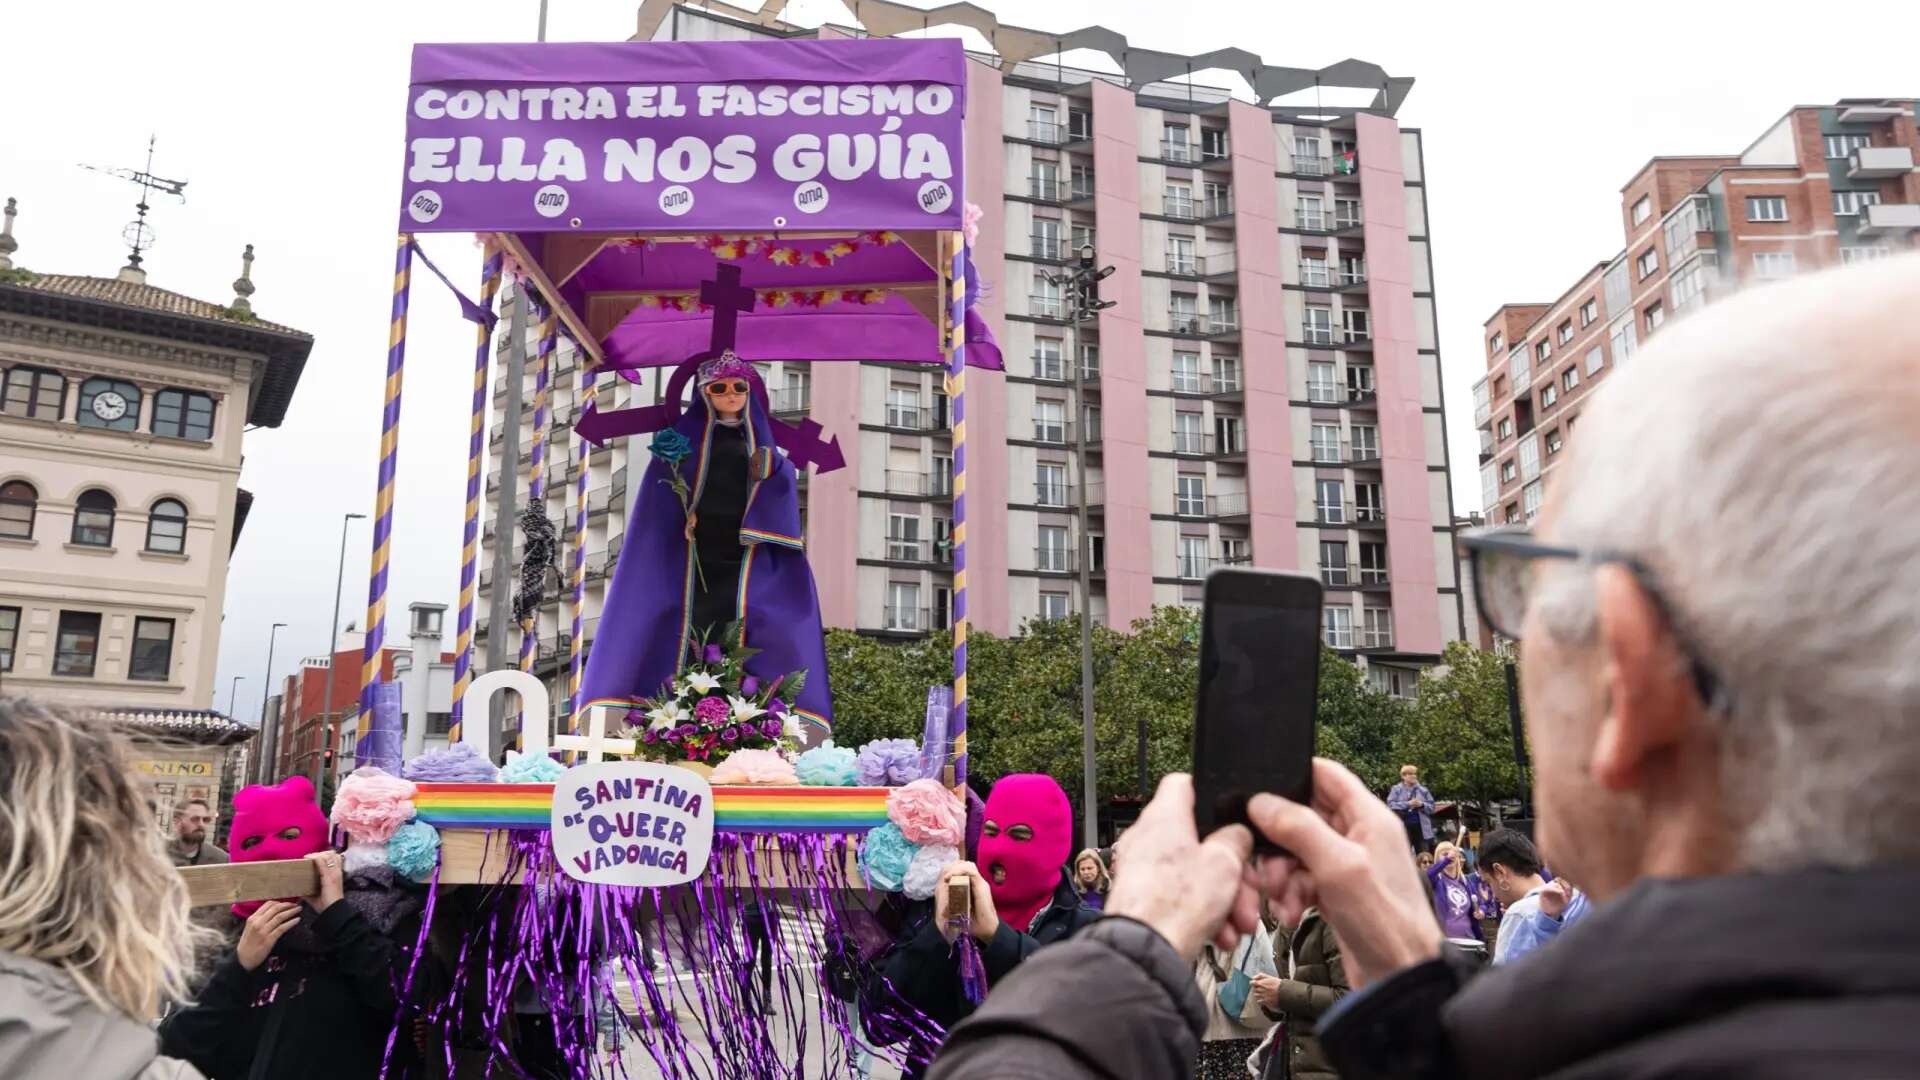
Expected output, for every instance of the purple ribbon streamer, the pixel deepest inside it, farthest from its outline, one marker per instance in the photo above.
(469, 310)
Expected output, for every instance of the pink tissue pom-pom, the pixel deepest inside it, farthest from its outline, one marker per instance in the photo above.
(754, 767)
(927, 813)
(372, 803)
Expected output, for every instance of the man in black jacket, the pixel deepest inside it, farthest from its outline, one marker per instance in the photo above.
(1720, 692)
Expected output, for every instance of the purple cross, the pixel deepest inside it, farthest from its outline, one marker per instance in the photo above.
(728, 298)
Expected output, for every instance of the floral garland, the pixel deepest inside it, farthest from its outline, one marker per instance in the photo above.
(773, 298)
(723, 247)
(714, 708)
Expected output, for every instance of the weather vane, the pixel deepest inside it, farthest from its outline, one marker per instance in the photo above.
(138, 234)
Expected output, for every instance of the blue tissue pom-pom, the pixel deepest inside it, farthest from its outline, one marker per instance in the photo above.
(827, 765)
(532, 769)
(886, 856)
(414, 850)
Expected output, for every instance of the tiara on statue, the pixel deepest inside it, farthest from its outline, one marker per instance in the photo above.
(726, 366)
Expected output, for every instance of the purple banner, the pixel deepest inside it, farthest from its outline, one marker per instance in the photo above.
(736, 136)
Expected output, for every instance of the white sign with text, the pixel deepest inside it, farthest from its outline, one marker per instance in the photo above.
(632, 823)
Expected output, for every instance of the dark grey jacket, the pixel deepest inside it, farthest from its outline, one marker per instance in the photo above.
(51, 1030)
(1815, 973)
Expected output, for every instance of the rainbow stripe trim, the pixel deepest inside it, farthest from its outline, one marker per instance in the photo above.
(745, 808)
(772, 538)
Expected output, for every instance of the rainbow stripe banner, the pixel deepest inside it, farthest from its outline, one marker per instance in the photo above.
(744, 808)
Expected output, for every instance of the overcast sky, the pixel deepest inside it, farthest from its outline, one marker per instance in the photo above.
(286, 120)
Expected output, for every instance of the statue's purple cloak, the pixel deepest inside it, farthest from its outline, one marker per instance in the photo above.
(643, 640)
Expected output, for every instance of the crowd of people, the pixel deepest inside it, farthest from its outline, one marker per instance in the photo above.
(1720, 686)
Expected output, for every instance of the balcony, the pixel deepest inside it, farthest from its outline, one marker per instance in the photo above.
(1047, 307)
(911, 550)
(1226, 377)
(1369, 516)
(1351, 277)
(1192, 443)
(928, 484)
(1178, 209)
(1337, 636)
(1054, 560)
(1888, 219)
(1323, 393)
(1356, 338)
(1057, 496)
(907, 620)
(1316, 334)
(1220, 264)
(1051, 132)
(790, 401)
(1315, 274)
(1373, 577)
(1177, 151)
(1053, 190)
(1377, 637)
(1220, 323)
(1312, 220)
(914, 418)
(1182, 264)
(1870, 114)
(1311, 166)
(1186, 323)
(1347, 217)
(1228, 504)
(1215, 209)
(1050, 248)
(1333, 513)
(1878, 162)
(1195, 506)
(1053, 432)
(1194, 567)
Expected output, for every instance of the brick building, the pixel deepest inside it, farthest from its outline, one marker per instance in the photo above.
(1825, 184)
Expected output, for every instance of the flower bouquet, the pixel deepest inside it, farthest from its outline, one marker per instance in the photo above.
(714, 707)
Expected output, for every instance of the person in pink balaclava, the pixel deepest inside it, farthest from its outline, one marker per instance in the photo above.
(1022, 898)
(311, 990)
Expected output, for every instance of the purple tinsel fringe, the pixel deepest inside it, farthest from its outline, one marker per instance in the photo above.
(973, 969)
(458, 764)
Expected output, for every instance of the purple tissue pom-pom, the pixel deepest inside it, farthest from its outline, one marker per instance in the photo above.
(888, 763)
(457, 764)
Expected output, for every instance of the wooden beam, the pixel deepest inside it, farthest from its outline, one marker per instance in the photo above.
(533, 269)
(231, 883)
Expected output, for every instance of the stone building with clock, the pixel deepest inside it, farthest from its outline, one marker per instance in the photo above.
(123, 407)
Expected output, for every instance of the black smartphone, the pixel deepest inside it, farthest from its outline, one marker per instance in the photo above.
(1259, 680)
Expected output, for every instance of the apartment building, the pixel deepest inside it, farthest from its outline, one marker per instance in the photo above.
(1823, 185)
(1266, 390)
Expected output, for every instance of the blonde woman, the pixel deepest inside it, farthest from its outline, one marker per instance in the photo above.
(1453, 901)
(1090, 878)
(94, 934)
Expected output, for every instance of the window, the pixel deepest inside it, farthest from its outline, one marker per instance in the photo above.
(942, 607)
(1044, 302)
(1618, 291)
(1772, 264)
(1689, 286)
(1046, 239)
(1325, 442)
(1530, 497)
(1766, 208)
(1623, 343)
(1353, 270)
(1329, 500)
(1176, 142)
(903, 407)
(1180, 252)
(903, 537)
(1079, 123)
(439, 723)
(1655, 316)
(1495, 344)
(1213, 143)
(1508, 470)
(183, 415)
(1377, 632)
(1346, 213)
(93, 518)
(18, 501)
(1373, 563)
(1186, 372)
(1306, 155)
(1589, 311)
(1570, 378)
(1042, 125)
(9, 635)
(1319, 326)
(1050, 485)
(903, 606)
(1357, 322)
(1853, 253)
(109, 403)
(1554, 442)
(1520, 367)
(1189, 433)
(1542, 350)
(941, 419)
(1366, 442)
(152, 650)
(77, 644)
(1193, 557)
(35, 392)
(167, 527)
(1080, 177)
(1310, 213)
(1190, 496)
(1513, 513)
(1367, 505)
(1647, 263)
(1548, 395)
(1529, 458)
(1090, 416)
(1337, 627)
(1506, 428)
(1053, 605)
(1216, 199)
(1176, 200)
(1565, 332)
(1321, 388)
(1226, 374)
(1840, 146)
(1050, 550)
(1489, 488)
(1359, 381)
(1313, 271)
(1183, 313)
(1333, 562)
(1594, 360)
(1642, 209)
(1235, 550)
(1845, 204)
(1050, 421)
(1048, 359)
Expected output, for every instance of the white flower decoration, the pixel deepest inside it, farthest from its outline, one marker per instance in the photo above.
(790, 725)
(699, 680)
(743, 709)
(666, 716)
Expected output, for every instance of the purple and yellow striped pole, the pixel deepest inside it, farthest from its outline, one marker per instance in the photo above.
(376, 624)
(577, 572)
(537, 460)
(470, 541)
(954, 329)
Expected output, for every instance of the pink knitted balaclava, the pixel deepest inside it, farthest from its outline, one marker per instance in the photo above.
(1025, 838)
(279, 821)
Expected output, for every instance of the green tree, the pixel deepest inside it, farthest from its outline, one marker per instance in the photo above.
(1357, 724)
(1457, 730)
(880, 687)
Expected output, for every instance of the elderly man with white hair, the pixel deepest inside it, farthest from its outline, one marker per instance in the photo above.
(1720, 617)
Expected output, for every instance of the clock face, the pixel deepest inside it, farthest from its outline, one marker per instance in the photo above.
(108, 405)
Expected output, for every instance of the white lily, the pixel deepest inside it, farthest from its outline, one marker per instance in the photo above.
(666, 716)
(699, 680)
(743, 708)
(790, 725)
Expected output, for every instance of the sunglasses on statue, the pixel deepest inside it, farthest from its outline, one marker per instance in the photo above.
(718, 388)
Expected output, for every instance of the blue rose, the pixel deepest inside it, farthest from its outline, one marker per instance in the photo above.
(670, 446)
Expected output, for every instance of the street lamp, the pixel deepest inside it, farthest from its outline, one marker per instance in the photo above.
(269, 737)
(333, 647)
(232, 693)
(1084, 282)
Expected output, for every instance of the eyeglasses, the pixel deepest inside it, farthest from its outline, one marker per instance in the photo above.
(718, 388)
(1502, 562)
